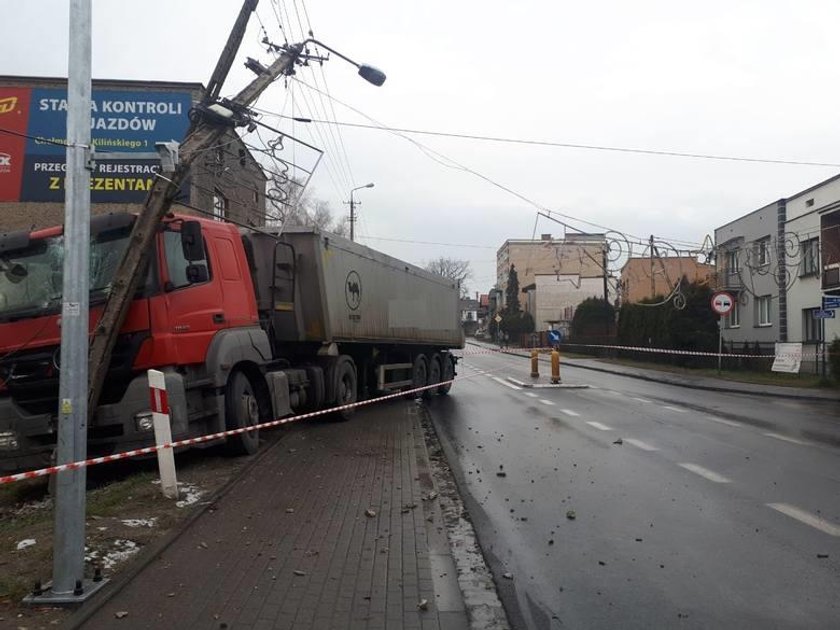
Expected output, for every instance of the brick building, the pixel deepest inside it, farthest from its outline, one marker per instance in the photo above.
(647, 277)
(576, 254)
(127, 117)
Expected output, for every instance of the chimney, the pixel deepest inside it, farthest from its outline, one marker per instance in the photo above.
(476, 296)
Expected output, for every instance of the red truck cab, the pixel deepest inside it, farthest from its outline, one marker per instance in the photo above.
(177, 312)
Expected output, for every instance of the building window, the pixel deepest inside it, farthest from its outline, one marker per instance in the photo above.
(810, 250)
(732, 262)
(812, 328)
(733, 318)
(220, 206)
(762, 251)
(762, 310)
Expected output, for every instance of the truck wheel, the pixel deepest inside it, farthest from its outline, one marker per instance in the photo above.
(346, 387)
(434, 375)
(447, 374)
(419, 375)
(242, 409)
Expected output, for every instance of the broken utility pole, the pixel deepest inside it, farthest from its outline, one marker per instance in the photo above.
(208, 127)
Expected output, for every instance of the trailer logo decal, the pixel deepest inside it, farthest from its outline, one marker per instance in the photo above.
(353, 290)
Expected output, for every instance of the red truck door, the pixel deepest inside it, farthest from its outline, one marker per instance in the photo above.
(196, 311)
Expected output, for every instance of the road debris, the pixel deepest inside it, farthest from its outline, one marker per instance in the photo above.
(370, 513)
(501, 473)
(508, 576)
(299, 573)
(24, 544)
(619, 441)
(121, 614)
(423, 604)
(570, 514)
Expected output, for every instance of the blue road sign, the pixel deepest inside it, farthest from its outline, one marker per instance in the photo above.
(831, 301)
(554, 336)
(824, 314)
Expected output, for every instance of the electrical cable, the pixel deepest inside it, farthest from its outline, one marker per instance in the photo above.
(591, 147)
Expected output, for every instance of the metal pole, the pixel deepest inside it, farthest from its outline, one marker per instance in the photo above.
(69, 545)
(352, 215)
(720, 341)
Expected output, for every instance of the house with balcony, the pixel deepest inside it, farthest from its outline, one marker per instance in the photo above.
(778, 262)
(749, 264)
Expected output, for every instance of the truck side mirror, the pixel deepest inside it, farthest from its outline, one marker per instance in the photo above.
(197, 274)
(191, 241)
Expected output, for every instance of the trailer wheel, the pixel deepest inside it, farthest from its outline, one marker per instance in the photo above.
(419, 375)
(434, 375)
(242, 410)
(346, 387)
(447, 374)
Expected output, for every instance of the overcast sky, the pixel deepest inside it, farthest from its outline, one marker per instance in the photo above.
(738, 78)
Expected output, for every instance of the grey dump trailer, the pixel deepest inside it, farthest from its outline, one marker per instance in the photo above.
(346, 322)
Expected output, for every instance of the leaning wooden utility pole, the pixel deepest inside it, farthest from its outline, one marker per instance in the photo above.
(206, 130)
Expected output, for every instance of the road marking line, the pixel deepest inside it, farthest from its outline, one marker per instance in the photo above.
(599, 426)
(729, 423)
(569, 412)
(504, 382)
(531, 395)
(785, 438)
(639, 444)
(677, 409)
(705, 473)
(802, 516)
(546, 402)
(642, 400)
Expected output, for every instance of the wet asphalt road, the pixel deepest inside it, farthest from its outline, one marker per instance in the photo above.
(716, 511)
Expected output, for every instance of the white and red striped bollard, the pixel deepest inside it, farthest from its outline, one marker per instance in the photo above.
(163, 433)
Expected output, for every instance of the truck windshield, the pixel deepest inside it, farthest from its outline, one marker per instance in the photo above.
(31, 279)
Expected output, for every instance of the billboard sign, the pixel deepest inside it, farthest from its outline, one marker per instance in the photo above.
(33, 156)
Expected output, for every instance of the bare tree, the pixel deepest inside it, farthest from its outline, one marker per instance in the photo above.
(452, 268)
(293, 205)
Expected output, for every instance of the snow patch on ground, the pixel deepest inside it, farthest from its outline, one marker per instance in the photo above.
(190, 493)
(119, 551)
(139, 522)
(23, 544)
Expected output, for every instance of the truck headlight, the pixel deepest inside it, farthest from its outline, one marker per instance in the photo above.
(8, 441)
(143, 421)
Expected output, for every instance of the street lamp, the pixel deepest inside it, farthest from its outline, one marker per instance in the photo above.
(353, 207)
(367, 72)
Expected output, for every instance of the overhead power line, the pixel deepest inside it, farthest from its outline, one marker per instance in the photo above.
(570, 145)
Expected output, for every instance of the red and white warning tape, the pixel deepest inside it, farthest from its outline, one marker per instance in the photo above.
(148, 450)
(807, 352)
(693, 353)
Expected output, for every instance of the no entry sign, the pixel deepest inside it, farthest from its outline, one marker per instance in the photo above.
(722, 302)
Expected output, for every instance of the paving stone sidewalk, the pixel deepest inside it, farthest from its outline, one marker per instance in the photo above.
(290, 545)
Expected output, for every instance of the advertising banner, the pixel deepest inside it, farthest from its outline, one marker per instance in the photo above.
(32, 165)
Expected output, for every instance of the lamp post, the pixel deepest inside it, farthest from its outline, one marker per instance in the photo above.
(353, 208)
